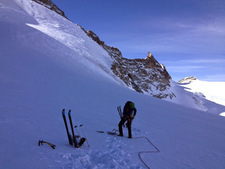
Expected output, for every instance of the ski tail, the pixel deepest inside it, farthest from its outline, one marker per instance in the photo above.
(82, 140)
(84, 135)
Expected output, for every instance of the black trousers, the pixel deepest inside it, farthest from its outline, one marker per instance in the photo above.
(121, 123)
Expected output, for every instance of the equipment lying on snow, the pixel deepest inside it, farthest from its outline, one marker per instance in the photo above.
(50, 144)
(113, 132)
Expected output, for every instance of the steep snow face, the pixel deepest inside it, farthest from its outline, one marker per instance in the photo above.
(73, 45)
(42, 73)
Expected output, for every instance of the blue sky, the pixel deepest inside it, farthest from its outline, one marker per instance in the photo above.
(187, 36)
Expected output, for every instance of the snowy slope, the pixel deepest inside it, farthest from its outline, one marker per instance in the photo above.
(45, 28)
(46, 64)
(213, 91)
(196, 99)
(210, 95)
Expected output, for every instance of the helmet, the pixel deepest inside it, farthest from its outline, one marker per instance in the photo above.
(132, 105)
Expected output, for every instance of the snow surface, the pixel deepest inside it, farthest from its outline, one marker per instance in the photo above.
(48, 63)
(213, 91)
(208, 94)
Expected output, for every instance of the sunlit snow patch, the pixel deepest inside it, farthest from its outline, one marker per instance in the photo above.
(222, 114)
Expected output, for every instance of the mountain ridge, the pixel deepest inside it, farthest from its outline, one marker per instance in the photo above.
(142, 75)
(145, 76)
(188, 79)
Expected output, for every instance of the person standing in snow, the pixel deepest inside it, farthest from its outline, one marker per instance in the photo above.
(129, 112)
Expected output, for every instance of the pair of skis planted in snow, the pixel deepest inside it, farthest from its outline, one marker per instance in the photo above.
(72, 139)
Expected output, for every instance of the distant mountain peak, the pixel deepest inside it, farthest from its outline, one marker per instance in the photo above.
(188, 79)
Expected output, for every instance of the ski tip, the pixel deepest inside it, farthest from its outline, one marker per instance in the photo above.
(63, 112)
(69, 112)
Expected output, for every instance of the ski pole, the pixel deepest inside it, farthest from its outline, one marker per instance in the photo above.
(119, 111)
(84, 135)
(77, 131)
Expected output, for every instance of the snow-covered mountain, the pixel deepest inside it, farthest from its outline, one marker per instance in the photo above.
(145, 76)
(48, 63)
(213, 91)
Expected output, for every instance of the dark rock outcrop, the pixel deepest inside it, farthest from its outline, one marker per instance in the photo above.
(187, 79)
(143, 75)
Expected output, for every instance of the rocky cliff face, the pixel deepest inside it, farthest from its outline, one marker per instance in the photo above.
(143, 75)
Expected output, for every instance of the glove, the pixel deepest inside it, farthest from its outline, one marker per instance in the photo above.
(126, 117)
(132, 117)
